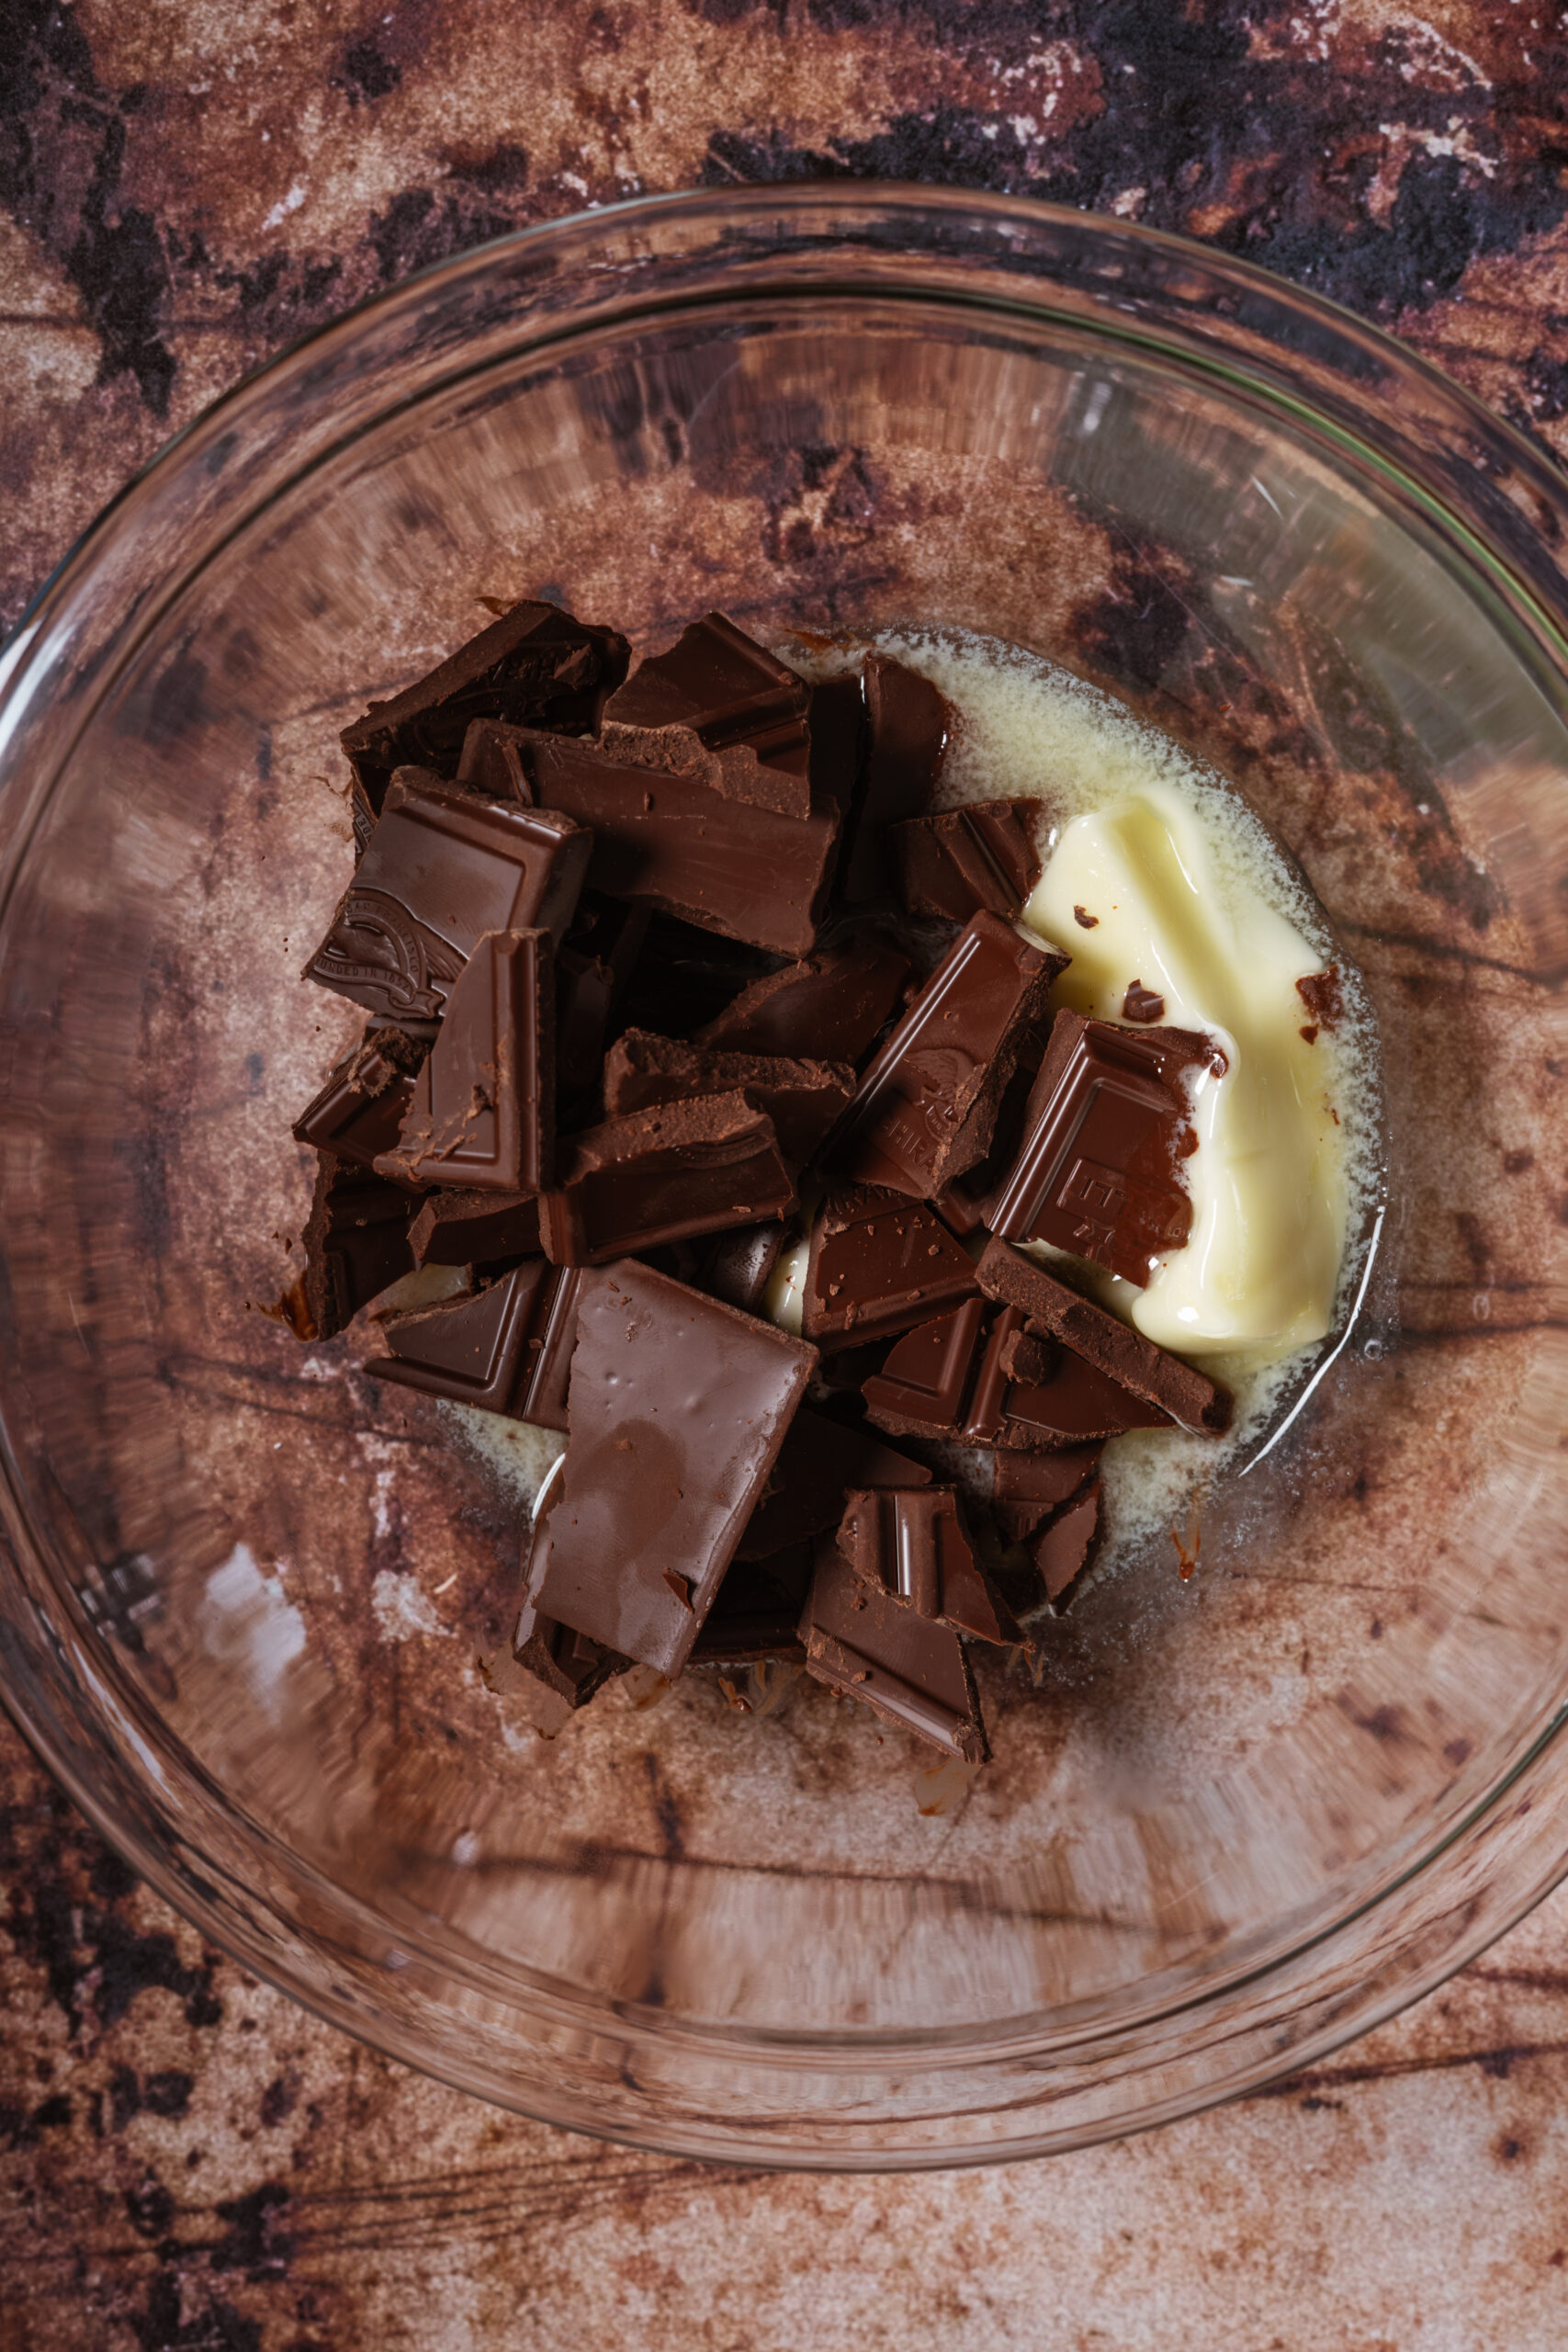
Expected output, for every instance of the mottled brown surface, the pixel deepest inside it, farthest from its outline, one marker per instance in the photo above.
(191, 2162)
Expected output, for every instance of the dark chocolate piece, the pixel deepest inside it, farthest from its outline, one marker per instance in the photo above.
(678, 1409)
(927, 1102)
(737, 699)
(740, 1266)
(1103, 1340)
(1107, 1125)
(535, 663)
(463, 1229)
(820, 1462)
(756, 1613)
(1030, 1488)
(908, 725)
(1142, 1005)
(979, 855)
(922, 1389)
(865, 1645)
(592, 969)
(1064, 1550)
(680, 1169)
(442, 870)
(912, 1543)
(828, 1008)
(802, 1098)
(355, 1243)
(482, 1113)
(878, 1264)
(671, 840)
(506, 1347)
(359, 1110)
(490, 763)
(565, 1668)
(1323, 997)
(1049, 1396)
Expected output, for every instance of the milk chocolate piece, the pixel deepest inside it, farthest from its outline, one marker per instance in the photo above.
(1103, 1340)
(877, 1264)
(802, 1098)
(1064, 1550)
(922, 1389)
(827, 1007)
(979, 855)
(359, 1110)
(1107, 1123)
(682, 1168)
(1142, 1004)
(819, 1463)
(740, 1265)
(738, 701)
(671, 840)
(756, 1613)
(865, 1645)
(1050, 1397)
(443, 870)
(678, 1409)
(535, 663)
(507, 1347)
(1030, 1488)
(927, 1104)
(908, 725)
(490, 763)
(464, 1228)
(565, 1668)
(483, 1112)
(356, 1242)
(912, 1543)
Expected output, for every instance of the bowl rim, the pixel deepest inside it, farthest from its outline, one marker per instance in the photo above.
(1512, 453)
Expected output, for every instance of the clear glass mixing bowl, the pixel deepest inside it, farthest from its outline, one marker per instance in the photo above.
(242, 1588)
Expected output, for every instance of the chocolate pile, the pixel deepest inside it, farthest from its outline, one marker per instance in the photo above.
(667, 975)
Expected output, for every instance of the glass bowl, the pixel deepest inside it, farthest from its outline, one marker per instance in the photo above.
(243, 1589)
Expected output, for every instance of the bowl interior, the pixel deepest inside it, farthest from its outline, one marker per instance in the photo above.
(271, 1579)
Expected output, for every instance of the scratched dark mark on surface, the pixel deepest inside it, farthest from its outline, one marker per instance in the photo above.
(188, 2161)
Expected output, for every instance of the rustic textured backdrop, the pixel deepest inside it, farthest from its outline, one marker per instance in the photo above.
(190, 2165)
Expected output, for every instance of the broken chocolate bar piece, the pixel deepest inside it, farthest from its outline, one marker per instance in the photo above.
(482, 1111)
(592, 967)
(678, 1409)
(756, 1613)
(927, 1104)
(1030, 1488)
(671, 840)
(802, 1098)
(922, 1389)
(359, 1110)
(911, 1542)
(865, 1645)
(979, 855)
(356, 1242)
(443, 870)
(1064, 1550)
(1049, 1396)
(1103, 1340)
(878, 1262)
(828, 1008)
(1142, 1004)
(680, 1169)
(1104, 1132)
(491, 763)
(740, 1264)
(737, 699)
(908, 725)
(564, 1668)
(506, 1347)
(820, 1462)
(537, 663)
(462, 1229)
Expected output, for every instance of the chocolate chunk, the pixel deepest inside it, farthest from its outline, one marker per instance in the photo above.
(961, 1379)
(356, 1242)
(1030, 1488)
(507, 1347)
(802, 1098)
(464, 1228)
(908, 727)
(592, 969)
(482, 1113)
(678, 1409)
(827, 1007)
(737, 699)
(922, 1389)
(878, 1264)
(1323, 997)
(671, 840)
(928, 1101)
(565, 1668)
(820, 1462)
(1103, 1340)
(740, 1266)
(359, 1110)
(441, 871)
(1107, 1123)
(1142, 1004)
(865, 1645)
(912, 1543)
(684, 1168)
(980, 856)
(1064, 1550)
(1050, 1397)
(1085, 921)
(491, 762)
(537, 663)
(756, 1613)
